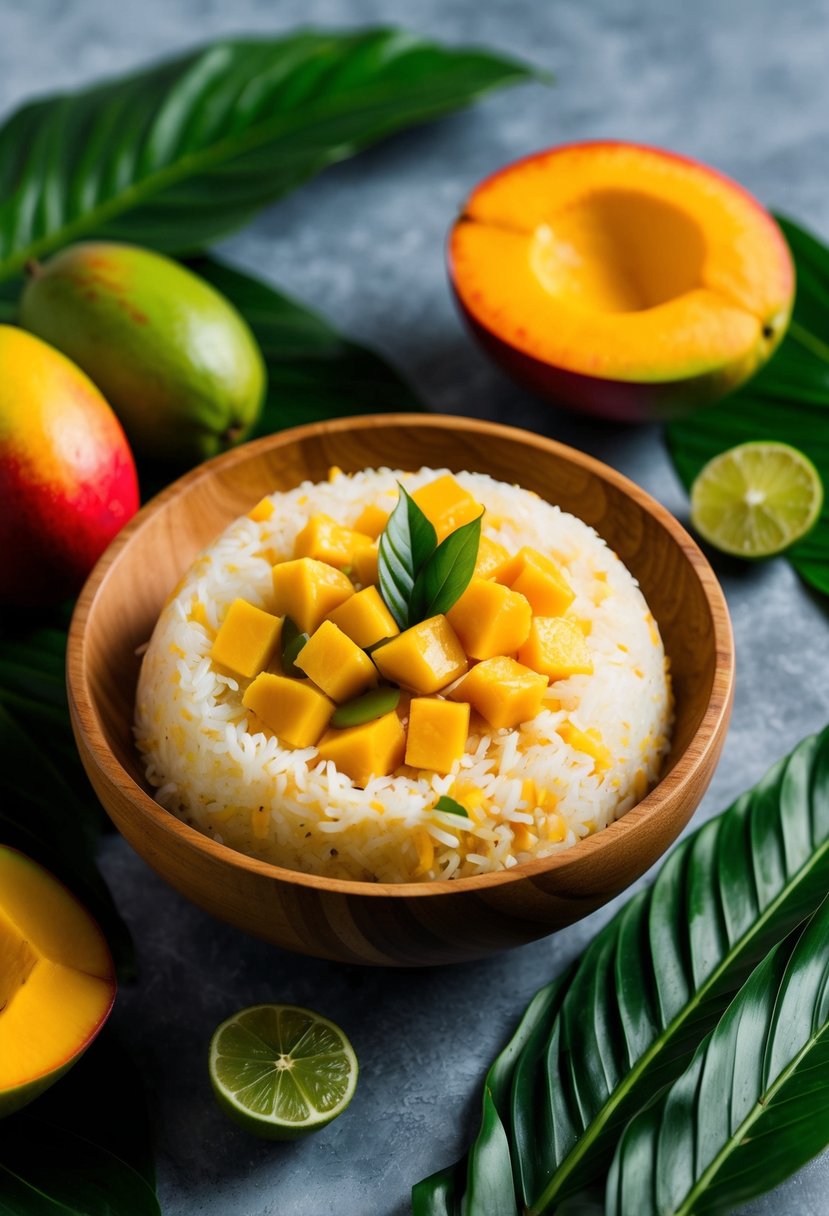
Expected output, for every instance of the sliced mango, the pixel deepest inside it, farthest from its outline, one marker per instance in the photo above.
(446, 505)
(437, 733)
(325, 540)
(539, 580)
(336, 664)
(365, 618)
(492, 557)
(502, 691)
(247, 639)
(373, 749)
(556, 648)
(262, 511)
(365, 565)
(307, 591)
(424, 658)
(294, 710)
(371, 521)
(490, 619)
(588, 741)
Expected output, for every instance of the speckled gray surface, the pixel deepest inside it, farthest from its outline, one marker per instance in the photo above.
(742, 85)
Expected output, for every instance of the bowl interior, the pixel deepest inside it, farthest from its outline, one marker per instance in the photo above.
(143, 566)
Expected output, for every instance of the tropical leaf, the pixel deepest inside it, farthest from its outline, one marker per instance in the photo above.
(660, 974)
(788, 400)
(407, 542)
(446, 573)
(184, 152)
(753, 1105)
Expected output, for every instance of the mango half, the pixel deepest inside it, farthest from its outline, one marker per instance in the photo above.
(176, 361)
(621, 280)
(57, 980)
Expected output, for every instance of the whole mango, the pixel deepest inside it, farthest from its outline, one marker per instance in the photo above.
(67, 476)
(174, 358)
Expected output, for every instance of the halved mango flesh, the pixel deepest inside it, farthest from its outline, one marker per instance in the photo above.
(620, 278)
(57, 980)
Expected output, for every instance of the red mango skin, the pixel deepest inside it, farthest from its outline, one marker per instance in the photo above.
(67, 475)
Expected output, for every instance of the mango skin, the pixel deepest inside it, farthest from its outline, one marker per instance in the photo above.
(67, 476)
(175, 359)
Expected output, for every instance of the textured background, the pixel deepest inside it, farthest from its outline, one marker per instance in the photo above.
(742, 85)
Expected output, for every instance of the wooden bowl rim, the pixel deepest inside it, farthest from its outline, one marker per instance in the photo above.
(88, 725)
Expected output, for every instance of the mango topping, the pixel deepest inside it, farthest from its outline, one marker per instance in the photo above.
(262, 511)
(502, 691)
(365, 564)
(324, 540)
(371, 521)
(588, 741)
(365, 618)
(490, 619)
(538, 579)
(556, 648)
(437, 733)
(491, 559)
(246, 639)
(446, 505)
(307, 590)
(424, 658)
(294, 710)
(336, 664)
(373, 749)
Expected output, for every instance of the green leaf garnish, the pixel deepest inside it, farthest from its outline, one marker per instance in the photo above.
(293, 640)
(366, 708)
(447, 573)
(450, 807)
(406, 543)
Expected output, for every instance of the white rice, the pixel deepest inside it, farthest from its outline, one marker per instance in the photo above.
(529, 793)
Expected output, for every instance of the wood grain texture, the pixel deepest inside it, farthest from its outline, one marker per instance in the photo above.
(376, 923)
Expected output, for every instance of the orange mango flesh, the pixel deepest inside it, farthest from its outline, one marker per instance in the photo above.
(622, 262)
(57, 982)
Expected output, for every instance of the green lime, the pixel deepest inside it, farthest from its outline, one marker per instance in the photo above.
(281, 1071)
(756, 499)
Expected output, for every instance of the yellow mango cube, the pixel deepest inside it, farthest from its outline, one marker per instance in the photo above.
(424, 658)
(246, 640)
(262, 511)
(556, 648)
(588, 741)
(502, 691)
(307, 590)
(365, 618)
(437, 735)
(336, 664)
(365, 565)
(539, 580)
(446, 505)
(371, 521)
(294, 710)
(490, 619)
(491, 560)
(373, 749)
(325, 540)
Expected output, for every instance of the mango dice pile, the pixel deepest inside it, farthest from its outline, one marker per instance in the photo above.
(494, 653)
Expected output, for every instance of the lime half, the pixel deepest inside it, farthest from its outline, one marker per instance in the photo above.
(281, 1071)
(756, 499)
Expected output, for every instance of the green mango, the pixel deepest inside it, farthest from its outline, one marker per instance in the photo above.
(174, 358)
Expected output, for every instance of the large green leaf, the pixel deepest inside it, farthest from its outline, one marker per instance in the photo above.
(753, 1105)
(184, 152)
(656, 979)
(788, 400)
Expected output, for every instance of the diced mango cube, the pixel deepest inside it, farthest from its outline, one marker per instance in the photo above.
(490, 619)
(556, 648)
(446, 504)
(307, 590)
(365, 564)
(371, 521)
(538, 579)
(365, 618)
(491, 560)
(262, 511)
(438, 732)
(246, 639)
(336, 664)
(424, 658)
(294, 710)
(373, 749)
(588, 741)
(325, 540)
(502, 691)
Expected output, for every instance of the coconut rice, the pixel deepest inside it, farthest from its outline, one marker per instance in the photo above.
(529, 792)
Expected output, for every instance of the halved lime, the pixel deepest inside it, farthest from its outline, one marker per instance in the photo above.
(756, 499)
(281, 1071)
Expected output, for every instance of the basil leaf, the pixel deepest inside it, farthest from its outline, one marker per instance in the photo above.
(406, 543)
(450, 807)
(447, 573)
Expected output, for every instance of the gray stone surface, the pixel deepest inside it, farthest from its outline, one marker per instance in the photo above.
(742, 85)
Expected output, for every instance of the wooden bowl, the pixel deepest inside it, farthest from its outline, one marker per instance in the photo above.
(407, 924)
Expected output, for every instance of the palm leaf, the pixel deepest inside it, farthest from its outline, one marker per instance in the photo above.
(753, 1105)
(788, 400)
